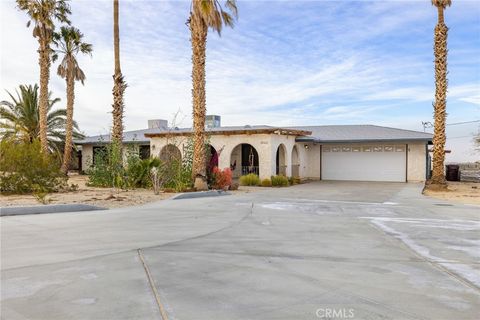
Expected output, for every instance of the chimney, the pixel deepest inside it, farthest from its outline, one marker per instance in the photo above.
(213, 121)
(157, 124)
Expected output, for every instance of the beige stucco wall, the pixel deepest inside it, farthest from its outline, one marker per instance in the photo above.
(87, 156)
(416, 162)
(265, 144)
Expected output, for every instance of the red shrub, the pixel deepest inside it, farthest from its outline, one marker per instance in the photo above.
(222, 179)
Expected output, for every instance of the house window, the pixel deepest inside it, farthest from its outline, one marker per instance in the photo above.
(144, 152)
(99, 154)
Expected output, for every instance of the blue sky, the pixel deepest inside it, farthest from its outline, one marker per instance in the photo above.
(284, 63)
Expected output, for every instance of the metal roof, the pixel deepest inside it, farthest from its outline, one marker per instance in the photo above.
(327, 134)
(136, 136)
(360, 133)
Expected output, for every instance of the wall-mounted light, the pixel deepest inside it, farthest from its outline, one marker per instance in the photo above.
(306, 146)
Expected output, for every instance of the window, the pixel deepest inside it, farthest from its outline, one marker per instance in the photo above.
(99, 152)
(144, 152)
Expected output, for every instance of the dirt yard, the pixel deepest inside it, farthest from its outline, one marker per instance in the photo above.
(102, 197)
(463, 192)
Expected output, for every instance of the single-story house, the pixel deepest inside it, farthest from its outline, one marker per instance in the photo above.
(328, 152)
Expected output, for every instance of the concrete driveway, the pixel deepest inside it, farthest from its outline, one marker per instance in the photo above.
(322, 250)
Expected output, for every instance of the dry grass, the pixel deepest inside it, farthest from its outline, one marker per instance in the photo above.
(463, 192)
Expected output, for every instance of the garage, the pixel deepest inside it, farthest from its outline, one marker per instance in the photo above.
(376, 162)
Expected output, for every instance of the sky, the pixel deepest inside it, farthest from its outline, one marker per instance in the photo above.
(284, 63)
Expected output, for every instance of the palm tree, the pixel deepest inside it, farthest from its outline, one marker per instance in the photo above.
(119, 84)
(204, 14)
(69, 43)
(440, 105)
(21, 119)
(43, 13)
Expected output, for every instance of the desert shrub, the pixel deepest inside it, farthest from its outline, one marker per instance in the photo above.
(266, 183)
(279, 181)
(250, 180)
(107, 169)
(138, 171)
(294, 180)
(25, 169)
(221, 179)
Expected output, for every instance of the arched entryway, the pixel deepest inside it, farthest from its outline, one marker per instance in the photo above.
(244, 160)
(295, 163)
(170, 153)
(281, 165)
(211, 161)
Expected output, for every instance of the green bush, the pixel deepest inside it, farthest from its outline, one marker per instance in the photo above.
(108, 169)
(250, 180)
(137, 172)
(279, 181)
(25, 169)
(266, 183)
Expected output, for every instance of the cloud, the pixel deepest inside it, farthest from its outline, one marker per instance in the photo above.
(284, 63)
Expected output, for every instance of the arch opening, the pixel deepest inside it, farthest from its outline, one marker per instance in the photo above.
(295, 163)
(281, 166)
(244, 160)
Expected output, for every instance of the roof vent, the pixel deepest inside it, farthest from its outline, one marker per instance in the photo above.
(157, 124)
(213, 121)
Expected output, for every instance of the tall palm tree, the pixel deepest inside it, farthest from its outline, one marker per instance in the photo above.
(43, 13)
(204, 14)
(440, 105)
(69, 43)
(20, 119)
(119, 84)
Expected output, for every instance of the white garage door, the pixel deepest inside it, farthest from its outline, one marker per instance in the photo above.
(364, 163)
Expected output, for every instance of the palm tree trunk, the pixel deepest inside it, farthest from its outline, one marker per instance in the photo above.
(67, 152)
(440, 114)
(198, 31)
(119, 84)
(44, 62)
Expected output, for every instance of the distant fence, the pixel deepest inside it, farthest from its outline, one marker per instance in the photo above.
(469, 172)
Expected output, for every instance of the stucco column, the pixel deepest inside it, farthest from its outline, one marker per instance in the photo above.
(288, 160)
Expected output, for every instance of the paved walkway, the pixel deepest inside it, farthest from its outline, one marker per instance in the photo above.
(357, 250)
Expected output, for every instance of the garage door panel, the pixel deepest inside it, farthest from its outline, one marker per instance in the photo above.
(364, 166)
